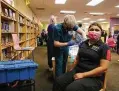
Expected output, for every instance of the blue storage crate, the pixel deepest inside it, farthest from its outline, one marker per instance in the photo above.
(32, 70)
(23, 72)
(6, 62)
(17, 62)
(12, 73)
(17, 70)
(28, 61)
(2, 74)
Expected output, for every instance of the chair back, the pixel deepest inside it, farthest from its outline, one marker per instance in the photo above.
(16, 41)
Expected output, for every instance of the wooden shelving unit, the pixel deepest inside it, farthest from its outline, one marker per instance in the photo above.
(12, 21)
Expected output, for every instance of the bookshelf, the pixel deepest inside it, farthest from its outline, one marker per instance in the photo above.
(13, 21)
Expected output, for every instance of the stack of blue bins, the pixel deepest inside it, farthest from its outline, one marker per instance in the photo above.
(17, 70)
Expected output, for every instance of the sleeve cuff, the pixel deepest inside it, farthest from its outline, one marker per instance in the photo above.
(75, 28)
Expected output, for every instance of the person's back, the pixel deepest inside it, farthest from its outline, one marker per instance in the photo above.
(50, 32)
(111, 42)
(43, 33)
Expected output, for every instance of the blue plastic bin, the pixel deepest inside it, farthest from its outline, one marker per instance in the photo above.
(28, 61)
(23, 71)
(2, 74)
(17, 70)
(17, 62)
(12, 73)
(32, 70)
(6, 62)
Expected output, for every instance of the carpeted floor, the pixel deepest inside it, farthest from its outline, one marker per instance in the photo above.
(44, 79)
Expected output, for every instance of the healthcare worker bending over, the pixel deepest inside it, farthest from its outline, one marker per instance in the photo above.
(62, 39)
(87, 73)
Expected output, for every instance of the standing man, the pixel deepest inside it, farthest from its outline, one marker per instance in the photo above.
(62, 39)
(50, 41)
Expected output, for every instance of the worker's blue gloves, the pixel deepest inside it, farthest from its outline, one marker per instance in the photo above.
(70, 43)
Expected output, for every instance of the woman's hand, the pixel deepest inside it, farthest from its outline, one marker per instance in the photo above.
(78, 76)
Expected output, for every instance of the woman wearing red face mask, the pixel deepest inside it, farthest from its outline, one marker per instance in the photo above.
(92, 61)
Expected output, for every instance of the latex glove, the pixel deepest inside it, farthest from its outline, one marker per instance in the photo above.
(70, 43)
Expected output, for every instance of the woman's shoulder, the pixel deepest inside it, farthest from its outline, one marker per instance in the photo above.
(104, 46)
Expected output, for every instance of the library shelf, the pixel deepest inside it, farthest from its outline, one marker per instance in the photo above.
(14, 22)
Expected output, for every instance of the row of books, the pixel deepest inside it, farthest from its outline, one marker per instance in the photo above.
(21, 20)
(8, 54)
(6, 39)
(9, 13)
(7, 26)
(20, 29)
(20, 37)
(5, 54)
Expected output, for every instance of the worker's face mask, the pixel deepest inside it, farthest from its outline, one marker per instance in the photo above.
(93, 35)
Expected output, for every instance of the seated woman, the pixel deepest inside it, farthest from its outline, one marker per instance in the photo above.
(89, 66)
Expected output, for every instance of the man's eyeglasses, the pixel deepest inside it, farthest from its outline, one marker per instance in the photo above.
(94, 29)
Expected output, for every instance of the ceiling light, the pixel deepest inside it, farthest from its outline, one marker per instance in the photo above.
(105, 22)
(79, 21)
(67, 12)
(117, 6)
(60, 1)
(92, 21)
(94, 2)
(94, 13)
(117, 14)
(86, 19)
(85, 23)
(101, 19)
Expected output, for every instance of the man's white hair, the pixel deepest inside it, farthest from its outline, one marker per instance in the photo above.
(52, 19)
(70, 20)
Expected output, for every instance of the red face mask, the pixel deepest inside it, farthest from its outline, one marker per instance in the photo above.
(93, 35)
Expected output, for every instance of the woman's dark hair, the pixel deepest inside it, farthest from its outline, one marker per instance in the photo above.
(80, 25)
(95, 24)
(110, 36)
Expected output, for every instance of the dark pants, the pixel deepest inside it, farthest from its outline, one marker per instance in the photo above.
(50, 46)
(61, 61)
(66, 82)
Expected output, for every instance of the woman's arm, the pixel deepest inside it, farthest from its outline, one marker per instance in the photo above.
(74, 63)
(95, 72)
